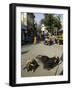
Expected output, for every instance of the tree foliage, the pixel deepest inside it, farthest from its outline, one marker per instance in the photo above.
(51, 21)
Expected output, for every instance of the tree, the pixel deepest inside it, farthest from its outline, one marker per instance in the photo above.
(51, 21)
(57, 22)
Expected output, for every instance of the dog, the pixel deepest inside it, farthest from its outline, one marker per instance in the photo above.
(48, 62)
(31, 65)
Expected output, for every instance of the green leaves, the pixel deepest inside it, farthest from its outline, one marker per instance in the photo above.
(52, 21)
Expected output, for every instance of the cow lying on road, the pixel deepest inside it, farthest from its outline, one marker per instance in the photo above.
(48, 62)
(31, 65)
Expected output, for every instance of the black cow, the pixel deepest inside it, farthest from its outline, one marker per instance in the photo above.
(48, 62)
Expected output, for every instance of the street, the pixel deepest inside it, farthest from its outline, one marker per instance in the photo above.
(31, 51)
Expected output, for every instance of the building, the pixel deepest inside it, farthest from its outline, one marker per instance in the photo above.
(27, 27)
(23, 27)
(30, 24)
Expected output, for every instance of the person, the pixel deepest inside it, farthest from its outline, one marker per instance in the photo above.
(53, 38)
(50, 40)
(34, 39)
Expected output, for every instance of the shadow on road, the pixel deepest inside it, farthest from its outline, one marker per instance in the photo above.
(25, 52)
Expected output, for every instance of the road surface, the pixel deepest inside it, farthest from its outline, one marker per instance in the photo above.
(31, 51)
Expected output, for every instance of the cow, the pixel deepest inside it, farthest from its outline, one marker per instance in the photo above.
(31, 65)
(48, 62)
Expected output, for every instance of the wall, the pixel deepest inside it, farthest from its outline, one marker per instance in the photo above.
(4, 44)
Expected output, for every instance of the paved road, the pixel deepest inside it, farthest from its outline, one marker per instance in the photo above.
(31, 51)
